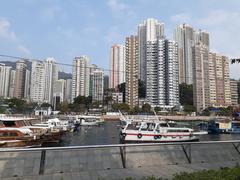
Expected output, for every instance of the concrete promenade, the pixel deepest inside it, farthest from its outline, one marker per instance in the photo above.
(117, 162)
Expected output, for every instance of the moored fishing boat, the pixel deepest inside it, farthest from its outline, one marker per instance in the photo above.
(156, 131)
(86, 120)
(18, 137)
(46, 133)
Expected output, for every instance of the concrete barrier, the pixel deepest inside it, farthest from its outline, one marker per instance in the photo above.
(115, 161)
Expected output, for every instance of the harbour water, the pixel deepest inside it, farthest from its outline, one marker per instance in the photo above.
(108, 133)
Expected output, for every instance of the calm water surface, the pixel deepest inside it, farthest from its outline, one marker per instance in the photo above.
(108, 133)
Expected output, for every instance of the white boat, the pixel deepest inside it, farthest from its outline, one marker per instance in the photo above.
(86, 120)
(156, 131)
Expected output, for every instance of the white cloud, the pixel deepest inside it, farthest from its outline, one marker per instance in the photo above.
(9, 37)
(23, 50)
(5, 31)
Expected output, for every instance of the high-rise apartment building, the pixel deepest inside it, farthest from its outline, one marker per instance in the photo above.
(184, 36)
(131, 45)
(51, 76)
(162, 73)
(37, 88)
(234, 92)
(80, 76)
(201, 88)
(117, 66)
(12, 83)
(59, 92)
(219, 82)
(211, 83)
(201, 36)
(68, 92)
(97, 85)
(148, 32)
(27, 85)
(5, 72)
(20, 79)
(106, 82)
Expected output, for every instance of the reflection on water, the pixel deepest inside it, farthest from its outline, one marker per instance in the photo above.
(108, 133)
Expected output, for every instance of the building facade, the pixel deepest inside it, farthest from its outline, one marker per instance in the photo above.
(80, 76)
(59, 92)
(37, 87)
(131, 45)
(187, 38)
(201, 88)
(184, 36)
(117, 66)
(12, 83)
(234, 92)
(68, 92)
(97, 85)
(162, 73)
(51, 76)
(148, 32)
(20, 75)
(5, 73)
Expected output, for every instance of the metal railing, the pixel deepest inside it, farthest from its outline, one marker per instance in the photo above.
(186, 147)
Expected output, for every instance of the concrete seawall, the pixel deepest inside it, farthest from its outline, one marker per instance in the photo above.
(117, 163)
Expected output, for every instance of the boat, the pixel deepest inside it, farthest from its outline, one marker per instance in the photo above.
(18, 137)
(46, 133)
(86, 120)
(156, 131)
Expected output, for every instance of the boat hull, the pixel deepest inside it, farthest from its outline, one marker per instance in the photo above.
(20, 143)
(158, 138)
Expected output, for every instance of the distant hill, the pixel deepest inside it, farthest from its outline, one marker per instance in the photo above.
(63, 75)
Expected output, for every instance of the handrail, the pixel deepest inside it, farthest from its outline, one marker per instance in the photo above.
(113, 145)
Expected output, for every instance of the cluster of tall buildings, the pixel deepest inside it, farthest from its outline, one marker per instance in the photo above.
(87, 79)
(40, 82)
(162, 64)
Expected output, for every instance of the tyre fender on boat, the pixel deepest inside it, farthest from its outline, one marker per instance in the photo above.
(139, 135)
(157, 137)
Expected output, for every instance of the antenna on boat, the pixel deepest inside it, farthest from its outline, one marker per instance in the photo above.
(155, 114)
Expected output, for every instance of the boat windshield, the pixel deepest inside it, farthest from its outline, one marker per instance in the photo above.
(9, 123)
(148, 127)
(134, 126)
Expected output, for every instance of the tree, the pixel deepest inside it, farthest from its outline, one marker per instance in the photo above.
(63, 107)
(82, 100)
(17, 105)
(141, 89)
(122, 89)
(146, 108)
(189, 108)
(122, 107)
(186, 94)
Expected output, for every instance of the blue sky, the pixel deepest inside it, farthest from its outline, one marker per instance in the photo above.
(64, 29)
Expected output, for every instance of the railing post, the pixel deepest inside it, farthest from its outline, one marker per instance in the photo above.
(188, 152)
(236, 147)
(42, 162)
(123, 156)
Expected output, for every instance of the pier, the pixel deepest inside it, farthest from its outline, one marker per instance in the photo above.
(117, 161)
